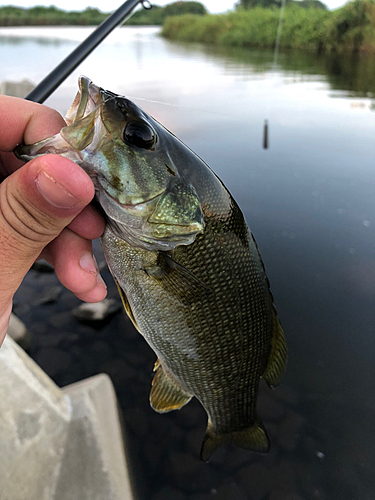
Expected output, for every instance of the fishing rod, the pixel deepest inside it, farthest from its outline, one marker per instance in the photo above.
(55, 78)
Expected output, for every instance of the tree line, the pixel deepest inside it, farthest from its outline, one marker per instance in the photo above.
(11, 15)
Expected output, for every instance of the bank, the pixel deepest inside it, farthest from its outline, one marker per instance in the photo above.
(350, 28)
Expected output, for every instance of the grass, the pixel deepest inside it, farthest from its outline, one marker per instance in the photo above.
(349, 28)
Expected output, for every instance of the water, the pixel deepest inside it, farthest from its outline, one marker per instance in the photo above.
(309, 200)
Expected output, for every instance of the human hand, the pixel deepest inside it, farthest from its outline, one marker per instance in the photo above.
(44, 209)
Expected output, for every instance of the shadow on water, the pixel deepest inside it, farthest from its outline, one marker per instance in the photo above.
(36, 41)
(353, 73)
(310, 203)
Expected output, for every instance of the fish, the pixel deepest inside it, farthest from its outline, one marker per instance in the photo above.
(186, 265)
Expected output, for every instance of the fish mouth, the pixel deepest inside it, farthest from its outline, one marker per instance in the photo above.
(88, 97)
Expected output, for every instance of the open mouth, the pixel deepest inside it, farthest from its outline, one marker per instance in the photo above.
(86, 100)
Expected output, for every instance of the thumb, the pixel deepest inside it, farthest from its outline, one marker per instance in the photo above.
(36, 202)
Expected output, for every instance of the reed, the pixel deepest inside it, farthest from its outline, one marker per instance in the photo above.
(349, 28)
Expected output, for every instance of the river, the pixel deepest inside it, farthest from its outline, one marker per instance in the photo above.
(310, 202)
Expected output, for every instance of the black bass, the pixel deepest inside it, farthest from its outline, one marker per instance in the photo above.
(185, 263)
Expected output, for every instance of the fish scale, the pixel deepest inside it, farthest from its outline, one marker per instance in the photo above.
(186, 265)
(234, 316)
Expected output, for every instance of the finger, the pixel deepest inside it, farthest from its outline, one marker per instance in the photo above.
(36, 203)
(71, 256)
(25, 122)
(89, 223)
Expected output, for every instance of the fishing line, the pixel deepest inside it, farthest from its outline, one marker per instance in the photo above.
(273, 69)
(192, 108)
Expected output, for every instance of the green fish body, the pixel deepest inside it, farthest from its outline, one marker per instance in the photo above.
(186, 265)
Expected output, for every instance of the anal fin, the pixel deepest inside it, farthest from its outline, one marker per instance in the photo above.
(166, 395)
(277, 361)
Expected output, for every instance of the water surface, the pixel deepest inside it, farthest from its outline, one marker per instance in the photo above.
(309, 200)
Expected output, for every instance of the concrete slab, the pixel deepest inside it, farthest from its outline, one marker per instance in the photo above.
(94, 465)
(34, 423)
(58, 444)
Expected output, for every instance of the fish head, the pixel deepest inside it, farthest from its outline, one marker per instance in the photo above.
(126, 152)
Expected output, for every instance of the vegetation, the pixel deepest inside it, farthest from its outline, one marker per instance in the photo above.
(249, 4)
(157, 15)
(52, 16)
(350, 28)
(48, 16)
(307, 24)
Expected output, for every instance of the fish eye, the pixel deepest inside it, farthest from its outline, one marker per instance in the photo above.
(139, 134)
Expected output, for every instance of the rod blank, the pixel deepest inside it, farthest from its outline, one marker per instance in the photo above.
(50, 83)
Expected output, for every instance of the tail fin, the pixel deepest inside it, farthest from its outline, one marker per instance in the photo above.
(252, 438)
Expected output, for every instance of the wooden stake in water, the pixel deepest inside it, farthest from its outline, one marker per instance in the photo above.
(265, 135)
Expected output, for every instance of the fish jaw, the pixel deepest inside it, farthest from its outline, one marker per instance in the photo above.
(86, 100)
(52, 145)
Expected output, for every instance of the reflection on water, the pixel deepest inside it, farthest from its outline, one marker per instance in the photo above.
(310, 202)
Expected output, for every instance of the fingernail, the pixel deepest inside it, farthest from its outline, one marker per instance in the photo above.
(87, 263)
(54, 192)
(100, 282)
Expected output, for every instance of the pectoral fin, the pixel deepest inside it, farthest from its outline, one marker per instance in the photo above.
(177, 280)
(277, 361)
(166, 395)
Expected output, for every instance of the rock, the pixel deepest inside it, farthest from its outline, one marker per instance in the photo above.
(269, 408)
(102, 350)
(120, 371)
(19, 333)
(188, 473)
(290, 430)
(137, 422)
(16, 89)
(168, 492)
(53, 360)
(284, 484)
(230, 489)
(60, 320)
(277, 495)
(103, 266)
(97, 312)
(255, 478)
(153, 459)
(42, 266)
(51, 295)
